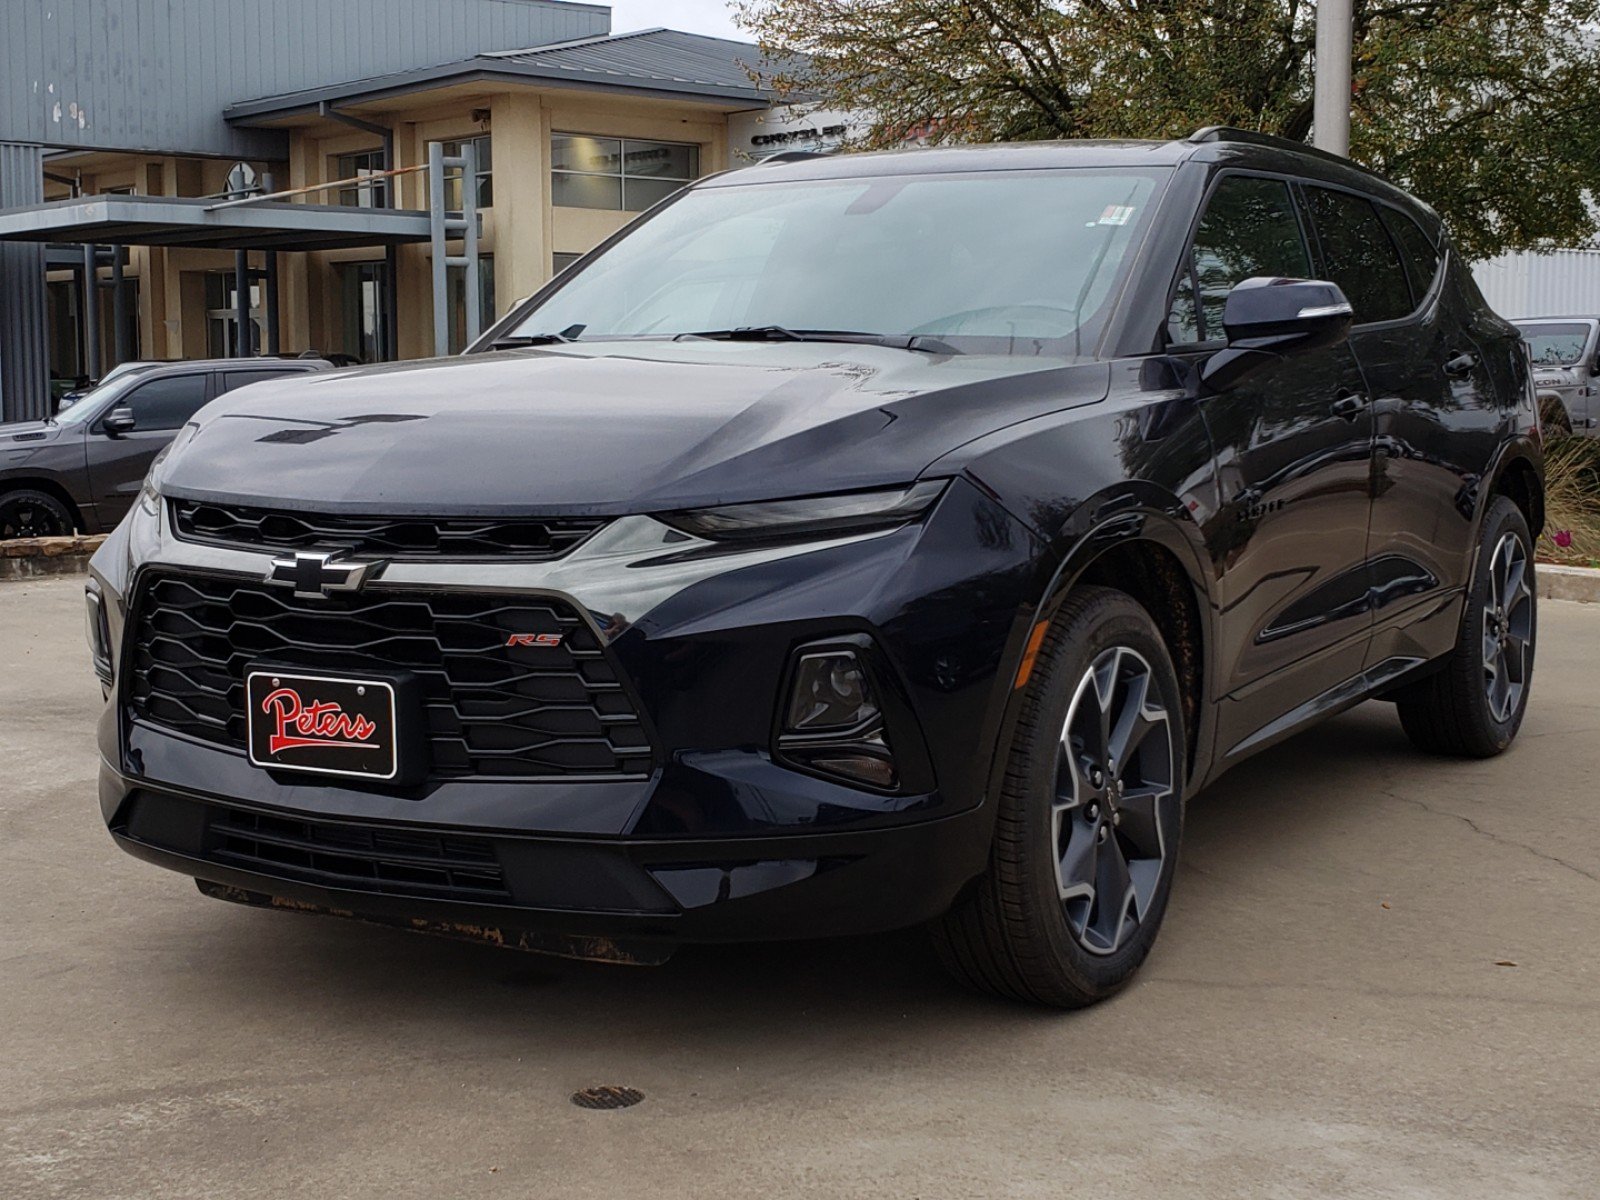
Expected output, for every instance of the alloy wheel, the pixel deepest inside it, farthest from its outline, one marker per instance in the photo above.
(1115, 800)
(1507, 627)
(24, 518)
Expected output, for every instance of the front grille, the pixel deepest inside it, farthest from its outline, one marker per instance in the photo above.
(397, 862)
(536, 539)
(493, 711)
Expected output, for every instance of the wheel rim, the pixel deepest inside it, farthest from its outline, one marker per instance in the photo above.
(1507, 628)
(27, 519)
(1115, 800)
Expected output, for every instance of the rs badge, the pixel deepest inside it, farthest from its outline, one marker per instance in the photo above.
(535, 639)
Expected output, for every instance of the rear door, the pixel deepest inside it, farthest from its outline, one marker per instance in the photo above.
(118, 463)
(1294, 448)
(1424, 365)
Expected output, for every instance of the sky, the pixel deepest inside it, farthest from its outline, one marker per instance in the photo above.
(692, 16)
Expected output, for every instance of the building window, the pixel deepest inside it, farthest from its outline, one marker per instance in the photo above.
(363, 301)
(359, 166)
(560, 262)
(485, 176)
(618, 174)
(222, 317)
(456, 285)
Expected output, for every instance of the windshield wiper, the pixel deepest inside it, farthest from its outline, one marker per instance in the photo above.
(521, 341)
(780, 333)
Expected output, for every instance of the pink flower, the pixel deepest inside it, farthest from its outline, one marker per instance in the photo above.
(1563, 538)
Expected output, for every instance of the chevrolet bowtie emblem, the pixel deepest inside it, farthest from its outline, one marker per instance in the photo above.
(315, 575)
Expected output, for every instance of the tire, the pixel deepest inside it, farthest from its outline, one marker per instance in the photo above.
(27, 513)
(1473, 706)
(1026, 930)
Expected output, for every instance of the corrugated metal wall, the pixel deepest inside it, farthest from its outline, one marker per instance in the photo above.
(1561, 283)
(156, 74)
(24, 358)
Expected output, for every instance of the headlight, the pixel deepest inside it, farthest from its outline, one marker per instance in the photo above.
(150, 490)
(851, 513)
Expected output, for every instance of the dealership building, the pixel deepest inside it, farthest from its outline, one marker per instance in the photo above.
(372, 178)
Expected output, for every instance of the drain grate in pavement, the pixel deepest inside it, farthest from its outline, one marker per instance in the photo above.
(607, 1097)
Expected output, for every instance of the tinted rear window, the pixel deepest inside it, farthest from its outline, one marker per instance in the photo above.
(1360, 256)
(239, 379)
(1416, 247)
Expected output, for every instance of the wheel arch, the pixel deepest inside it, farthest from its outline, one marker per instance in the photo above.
(1148, 546)
(1521, 481)
(50, 487)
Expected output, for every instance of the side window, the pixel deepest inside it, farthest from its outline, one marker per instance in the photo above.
(1360, 255)
(167, 403)
(1416, 247)
(1249, 229)
(239, 379)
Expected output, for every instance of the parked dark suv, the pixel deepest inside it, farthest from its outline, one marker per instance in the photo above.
(81, 469)
(851, 543)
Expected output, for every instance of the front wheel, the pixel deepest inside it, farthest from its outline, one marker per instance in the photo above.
(1089, 816)
(1473, 707)
(29, 514)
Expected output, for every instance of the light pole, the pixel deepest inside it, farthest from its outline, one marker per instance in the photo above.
(1335, 46)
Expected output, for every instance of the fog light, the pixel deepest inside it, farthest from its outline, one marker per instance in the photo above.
(830, 693)
(832, 723)
(99, 634)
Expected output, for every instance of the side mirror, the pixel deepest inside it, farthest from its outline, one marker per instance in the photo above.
(118, 421)
(1270, 319)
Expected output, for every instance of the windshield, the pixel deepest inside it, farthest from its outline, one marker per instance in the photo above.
(1556, 345)
(1005, 262)
(93, 402)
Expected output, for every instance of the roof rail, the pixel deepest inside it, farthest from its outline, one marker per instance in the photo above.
(788, 156)
(1229, 133)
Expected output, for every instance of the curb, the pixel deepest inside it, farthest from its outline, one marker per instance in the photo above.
(33, 558)
(1568, 583)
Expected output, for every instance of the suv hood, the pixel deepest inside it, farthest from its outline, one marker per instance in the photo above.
(609, 428)
(28, 433)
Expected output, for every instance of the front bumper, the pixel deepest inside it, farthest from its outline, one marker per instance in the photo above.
(721, 841)
(562, 895)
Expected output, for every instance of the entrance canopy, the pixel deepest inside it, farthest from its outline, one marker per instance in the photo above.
(211, 224)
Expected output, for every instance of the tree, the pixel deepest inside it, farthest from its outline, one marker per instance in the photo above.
(1487, 109)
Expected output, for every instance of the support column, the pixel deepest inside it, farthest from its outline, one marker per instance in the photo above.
(1335, 47)
(521, 179)
(93, 363)
(244, 340)
(24, 350)
(119, 304)
(269, 284)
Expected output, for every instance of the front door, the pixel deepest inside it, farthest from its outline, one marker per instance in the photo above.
(1294, 450)
(118, 462)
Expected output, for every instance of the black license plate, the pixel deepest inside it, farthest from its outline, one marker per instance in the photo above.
(326, 724)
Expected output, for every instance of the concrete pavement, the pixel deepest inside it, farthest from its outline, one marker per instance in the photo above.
(1330, 1011)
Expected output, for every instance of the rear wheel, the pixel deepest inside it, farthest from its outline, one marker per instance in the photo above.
(30, 514)
(1089, 817)
(1473, 707)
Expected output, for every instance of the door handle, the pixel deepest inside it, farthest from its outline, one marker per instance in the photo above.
(1460, 364)
(1350, 406)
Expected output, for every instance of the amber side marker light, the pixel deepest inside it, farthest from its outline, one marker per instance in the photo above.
(1025, 668)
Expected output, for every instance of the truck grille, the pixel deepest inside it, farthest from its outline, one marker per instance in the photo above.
(493, 711)
(535, 539)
